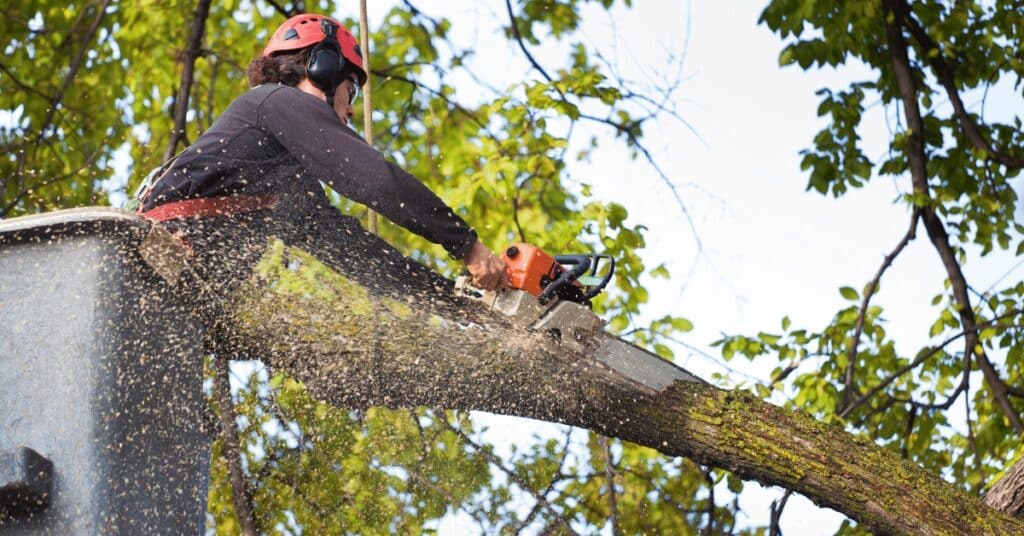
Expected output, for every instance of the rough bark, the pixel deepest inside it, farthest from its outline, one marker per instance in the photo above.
(1007, 495)
(354, 347)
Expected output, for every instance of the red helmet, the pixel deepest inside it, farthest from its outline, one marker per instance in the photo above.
(306, 30)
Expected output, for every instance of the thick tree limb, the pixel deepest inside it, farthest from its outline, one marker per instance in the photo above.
(192, 51)
(321, 326)
(1007, 495)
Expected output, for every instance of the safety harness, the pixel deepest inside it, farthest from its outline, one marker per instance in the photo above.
(209, 207)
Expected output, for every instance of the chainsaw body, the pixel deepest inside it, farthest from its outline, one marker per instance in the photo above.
(575, 278)
(549, 294)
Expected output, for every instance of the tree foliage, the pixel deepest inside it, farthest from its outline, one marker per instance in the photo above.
(952, 406)
(84, 87)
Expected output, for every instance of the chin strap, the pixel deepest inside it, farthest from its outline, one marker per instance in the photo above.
(330, 98)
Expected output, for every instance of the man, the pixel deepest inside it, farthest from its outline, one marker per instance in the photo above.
(258, 169)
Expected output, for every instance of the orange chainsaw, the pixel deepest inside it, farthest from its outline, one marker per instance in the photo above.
(550, 294)
(575, 278)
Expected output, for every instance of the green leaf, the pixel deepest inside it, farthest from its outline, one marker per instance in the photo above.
(849, 293)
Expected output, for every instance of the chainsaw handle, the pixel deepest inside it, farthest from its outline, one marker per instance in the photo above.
(576, 265)
(594, 290)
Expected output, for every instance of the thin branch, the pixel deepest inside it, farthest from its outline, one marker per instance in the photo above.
(945, 75)
(609, 473)
(711, 500)
(522, 45)
(193, 51)
(627, 130)
(551, 485)
(416, 12)
(776, 508)
(512, 475)
(907, 431)
(211, 92)
(387, 74)
(896, 11)
(232, 451)
(851, 354)
(295, 10)
(35, 187)
(76, 64)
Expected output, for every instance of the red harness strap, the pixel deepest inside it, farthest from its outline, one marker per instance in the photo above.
(208, 207)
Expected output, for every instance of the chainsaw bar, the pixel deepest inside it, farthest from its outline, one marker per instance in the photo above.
(575, 326)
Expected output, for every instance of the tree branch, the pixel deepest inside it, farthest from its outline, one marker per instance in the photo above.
(194, 50)
(1007, 494)
(512, 475)
(851, 354)
(76, 64)
(944, 73)
(609, 474)
(778, 505)
(895, 13)
(232, 451)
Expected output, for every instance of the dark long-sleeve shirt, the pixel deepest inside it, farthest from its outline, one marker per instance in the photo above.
(274, 128)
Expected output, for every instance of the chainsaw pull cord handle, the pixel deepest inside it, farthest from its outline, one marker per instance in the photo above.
(596, 289)
(579, 263)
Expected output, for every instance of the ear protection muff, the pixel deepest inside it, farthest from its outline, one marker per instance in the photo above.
(326, 63)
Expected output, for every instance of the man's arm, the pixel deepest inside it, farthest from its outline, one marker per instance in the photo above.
(310, 130)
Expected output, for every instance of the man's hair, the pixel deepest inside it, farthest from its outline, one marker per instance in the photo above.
(288, 68)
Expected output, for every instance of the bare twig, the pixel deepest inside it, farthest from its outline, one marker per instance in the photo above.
(629, 130)
(211, 94)
(551, 485)
(908, 430)
(295, 10)
(710, 481)
(609, 473)
(76, 64)
(513, 476)
(774, 529)
(35, 187)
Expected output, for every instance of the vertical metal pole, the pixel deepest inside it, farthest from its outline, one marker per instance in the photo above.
(364, 38)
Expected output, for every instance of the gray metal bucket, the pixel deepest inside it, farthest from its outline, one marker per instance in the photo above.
(102, 412)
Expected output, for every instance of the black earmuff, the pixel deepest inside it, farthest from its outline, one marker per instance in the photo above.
(326, 62)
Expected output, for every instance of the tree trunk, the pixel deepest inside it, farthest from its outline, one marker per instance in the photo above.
(356, 347)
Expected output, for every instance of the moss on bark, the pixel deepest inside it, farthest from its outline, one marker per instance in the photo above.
(358, 347)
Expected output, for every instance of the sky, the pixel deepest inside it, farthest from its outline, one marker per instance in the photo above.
(768, 248)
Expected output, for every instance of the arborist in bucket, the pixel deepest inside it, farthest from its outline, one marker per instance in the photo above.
(258, 169)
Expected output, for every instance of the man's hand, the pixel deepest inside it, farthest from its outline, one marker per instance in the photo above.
(488, 271)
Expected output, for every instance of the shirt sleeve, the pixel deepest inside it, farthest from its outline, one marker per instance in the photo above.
(310, 130)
